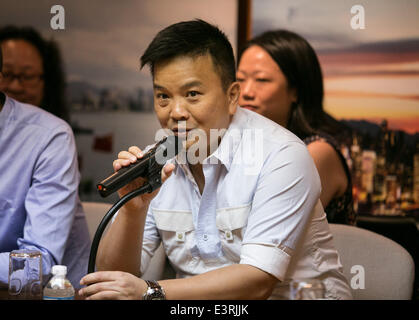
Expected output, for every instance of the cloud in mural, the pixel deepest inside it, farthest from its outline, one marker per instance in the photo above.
(103, 40)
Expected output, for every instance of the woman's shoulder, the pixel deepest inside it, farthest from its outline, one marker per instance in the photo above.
(327, 148)
(327, 145)
(322, 147)
(322, 137)
(326, 158)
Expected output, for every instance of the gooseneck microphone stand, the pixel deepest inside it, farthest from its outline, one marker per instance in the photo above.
(154, 182)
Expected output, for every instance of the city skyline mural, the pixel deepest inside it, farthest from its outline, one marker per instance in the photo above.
(370, 73)
(369, 54)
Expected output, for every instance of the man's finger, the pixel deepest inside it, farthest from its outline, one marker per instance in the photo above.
(99, 276)
(96, 287)
(167, 171)
(105, 295)
(127, 155)
(136, 151)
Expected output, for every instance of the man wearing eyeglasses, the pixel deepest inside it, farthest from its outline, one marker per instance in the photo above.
(39, 205)
(32, 70)
(22, 76)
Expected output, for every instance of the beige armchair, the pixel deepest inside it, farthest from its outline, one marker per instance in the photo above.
(376, 267)
(95, 211)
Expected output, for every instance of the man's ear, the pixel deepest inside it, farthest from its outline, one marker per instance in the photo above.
(233, 94)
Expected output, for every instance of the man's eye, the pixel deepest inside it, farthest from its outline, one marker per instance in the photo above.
(193, 94)
(28, 77)
(162, 96)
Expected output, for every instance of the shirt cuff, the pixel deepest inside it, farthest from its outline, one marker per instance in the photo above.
(270, 259)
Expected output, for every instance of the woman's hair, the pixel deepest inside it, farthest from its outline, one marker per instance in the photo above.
(298, 62)
(54, 76)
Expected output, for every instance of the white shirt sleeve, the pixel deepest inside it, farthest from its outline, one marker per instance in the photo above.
(287, 191)
(151, 240)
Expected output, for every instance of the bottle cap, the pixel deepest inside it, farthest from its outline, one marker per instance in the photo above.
(59, 269)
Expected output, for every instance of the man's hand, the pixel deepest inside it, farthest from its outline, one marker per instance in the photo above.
(125, 158)
(112, 285)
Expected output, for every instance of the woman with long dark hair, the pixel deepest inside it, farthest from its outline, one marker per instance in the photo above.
(281, 79)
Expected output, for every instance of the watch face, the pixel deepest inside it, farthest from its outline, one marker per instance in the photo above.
(153, 294)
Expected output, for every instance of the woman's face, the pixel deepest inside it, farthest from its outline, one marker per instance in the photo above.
(263, 87)
(22, 77)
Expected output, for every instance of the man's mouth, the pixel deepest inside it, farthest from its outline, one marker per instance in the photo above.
(249, 107)
(181, 132)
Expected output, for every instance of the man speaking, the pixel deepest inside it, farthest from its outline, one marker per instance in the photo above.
(228, 233)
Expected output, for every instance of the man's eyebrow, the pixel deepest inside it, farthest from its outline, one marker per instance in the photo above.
(194, 83)
(158, 87)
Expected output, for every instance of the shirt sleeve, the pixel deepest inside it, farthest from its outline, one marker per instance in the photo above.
(151, 240)
(287, 191)
(51, 201)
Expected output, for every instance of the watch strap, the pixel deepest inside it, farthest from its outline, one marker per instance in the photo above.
(153, 284)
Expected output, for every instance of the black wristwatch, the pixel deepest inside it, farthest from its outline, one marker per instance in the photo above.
(154, 291)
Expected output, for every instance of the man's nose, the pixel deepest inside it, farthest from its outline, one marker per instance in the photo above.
(179, 111)
(14, 86)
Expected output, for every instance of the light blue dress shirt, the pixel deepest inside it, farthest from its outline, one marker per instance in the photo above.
(260, 206)
(39, 204)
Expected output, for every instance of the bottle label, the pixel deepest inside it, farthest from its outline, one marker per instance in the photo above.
(58, 298)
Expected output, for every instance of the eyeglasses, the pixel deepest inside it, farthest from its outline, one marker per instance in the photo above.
(25, 80)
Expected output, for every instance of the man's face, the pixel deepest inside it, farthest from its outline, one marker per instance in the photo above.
(188, 92)
(21, 58)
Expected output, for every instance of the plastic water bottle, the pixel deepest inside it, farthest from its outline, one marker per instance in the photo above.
(59, 287)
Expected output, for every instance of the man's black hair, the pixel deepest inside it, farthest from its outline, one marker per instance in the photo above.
(193, 38)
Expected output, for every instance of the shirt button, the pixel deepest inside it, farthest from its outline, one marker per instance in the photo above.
(180, 236)
(229, 236)
(205, 237)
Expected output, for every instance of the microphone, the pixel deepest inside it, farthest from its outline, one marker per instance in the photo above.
(150, 164)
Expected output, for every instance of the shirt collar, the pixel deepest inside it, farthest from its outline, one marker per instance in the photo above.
(230, 141)
(180, 162)
(227, 148)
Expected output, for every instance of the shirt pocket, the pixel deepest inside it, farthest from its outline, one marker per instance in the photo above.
(231, 223)
(175, 227)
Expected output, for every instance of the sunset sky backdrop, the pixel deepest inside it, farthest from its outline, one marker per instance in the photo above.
(371, 73)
